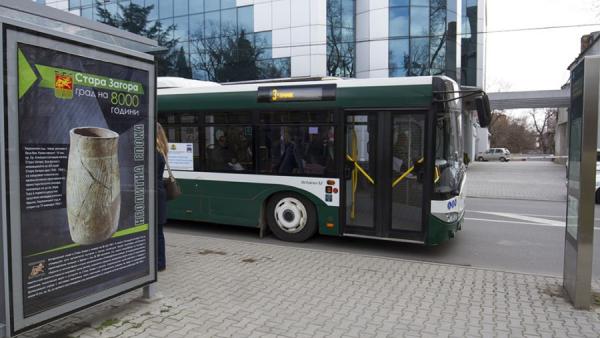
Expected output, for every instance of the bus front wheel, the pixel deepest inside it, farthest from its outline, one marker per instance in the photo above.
(291, 217)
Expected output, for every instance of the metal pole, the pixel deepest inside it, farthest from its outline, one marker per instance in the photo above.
(149, 292)
(579, 234)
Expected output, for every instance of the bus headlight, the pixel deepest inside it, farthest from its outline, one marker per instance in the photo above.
(451, 217)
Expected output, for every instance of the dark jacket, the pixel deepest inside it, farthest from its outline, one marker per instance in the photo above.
(290, 160)
(161, 192)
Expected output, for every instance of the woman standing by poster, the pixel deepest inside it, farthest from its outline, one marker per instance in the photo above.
(162, 149)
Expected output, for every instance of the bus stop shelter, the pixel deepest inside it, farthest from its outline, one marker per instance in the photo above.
(76, 164)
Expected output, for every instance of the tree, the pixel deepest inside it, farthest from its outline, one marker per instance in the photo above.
(182, 67)
(544, 124)
(512, 133)
(134, 19)
(340, 53)
(227, 55)
(240, 61)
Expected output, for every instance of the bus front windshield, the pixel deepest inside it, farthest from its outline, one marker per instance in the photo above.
(449, 153)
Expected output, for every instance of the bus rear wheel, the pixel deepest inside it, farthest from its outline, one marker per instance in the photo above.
(291, 217)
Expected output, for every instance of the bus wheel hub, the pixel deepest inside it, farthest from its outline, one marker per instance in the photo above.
(290, 215)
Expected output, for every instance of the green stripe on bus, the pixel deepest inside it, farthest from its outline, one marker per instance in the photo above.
(407, 96)
(120, 233)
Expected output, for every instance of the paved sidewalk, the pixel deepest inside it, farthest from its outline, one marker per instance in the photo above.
(223, 288)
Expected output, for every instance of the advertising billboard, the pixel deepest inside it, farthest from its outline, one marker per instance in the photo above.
(81, 173)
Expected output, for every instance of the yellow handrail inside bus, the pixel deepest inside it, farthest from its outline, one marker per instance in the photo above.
(403, 176)
(355, 171)
(354, 152)
(359, 168)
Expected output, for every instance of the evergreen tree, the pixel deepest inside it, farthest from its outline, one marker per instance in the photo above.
(135, 20)
(182, 68)
(227, 55)
(239, 60)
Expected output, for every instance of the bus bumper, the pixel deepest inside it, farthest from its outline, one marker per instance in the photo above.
(440, 231)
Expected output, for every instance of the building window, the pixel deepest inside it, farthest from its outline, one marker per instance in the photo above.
(398, 55)
(341, 44)
(420, 38)
(399, 19)
(180, 7)
(212, 5)
(245, 19)
(469, 43)
(181, 28)
(196, 6)
(212, 31)
(165, 8)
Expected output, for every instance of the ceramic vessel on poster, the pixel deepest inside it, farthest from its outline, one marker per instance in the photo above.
(93, 184)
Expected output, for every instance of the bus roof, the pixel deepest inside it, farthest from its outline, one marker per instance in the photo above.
(403, 92)
(340, 83)
(164, 82)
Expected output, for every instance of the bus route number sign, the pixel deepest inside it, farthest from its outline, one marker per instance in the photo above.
(326, 92)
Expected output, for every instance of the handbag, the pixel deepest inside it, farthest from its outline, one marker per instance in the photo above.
(171, 186)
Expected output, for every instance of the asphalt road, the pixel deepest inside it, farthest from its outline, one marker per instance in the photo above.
(507, 233)
(529, 238)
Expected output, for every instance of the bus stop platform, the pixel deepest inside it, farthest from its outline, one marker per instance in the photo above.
(226, 288)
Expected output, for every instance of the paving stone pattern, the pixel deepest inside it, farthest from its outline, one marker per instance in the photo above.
(225, 288)
(526, 180)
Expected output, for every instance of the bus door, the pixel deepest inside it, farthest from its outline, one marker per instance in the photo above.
(384, 174)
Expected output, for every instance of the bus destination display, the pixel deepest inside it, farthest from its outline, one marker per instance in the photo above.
(325, 92)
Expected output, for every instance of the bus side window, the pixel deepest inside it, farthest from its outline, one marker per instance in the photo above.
(182, 129)
(297, 150)
(229, 148)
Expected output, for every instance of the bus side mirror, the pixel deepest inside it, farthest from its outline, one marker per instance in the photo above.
(484, 112)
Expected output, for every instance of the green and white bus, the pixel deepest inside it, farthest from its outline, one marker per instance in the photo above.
(373, 158)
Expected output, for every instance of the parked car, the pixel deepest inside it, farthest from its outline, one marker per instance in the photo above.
(492, 154)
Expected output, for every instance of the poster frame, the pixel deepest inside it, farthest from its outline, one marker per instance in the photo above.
(578, 250)
(12, 36)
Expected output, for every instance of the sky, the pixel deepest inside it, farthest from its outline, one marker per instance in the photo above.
(535, 60)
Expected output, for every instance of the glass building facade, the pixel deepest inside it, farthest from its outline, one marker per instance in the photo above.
(341, 43)
(206, 30)
(319, 37)
(469, 42)
(422, 37)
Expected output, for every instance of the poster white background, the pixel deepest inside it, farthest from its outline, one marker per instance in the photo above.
(181, 156)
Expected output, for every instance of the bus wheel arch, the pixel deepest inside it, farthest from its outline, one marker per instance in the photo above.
(291, 216)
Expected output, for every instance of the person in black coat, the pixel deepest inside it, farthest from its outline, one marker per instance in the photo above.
(162, 149)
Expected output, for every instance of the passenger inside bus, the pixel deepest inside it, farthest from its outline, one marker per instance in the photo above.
(221, 155)
(290, 161)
